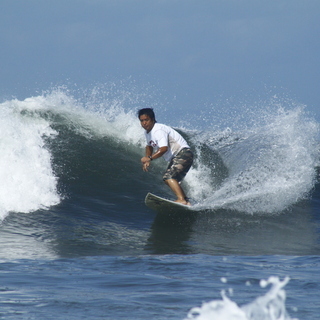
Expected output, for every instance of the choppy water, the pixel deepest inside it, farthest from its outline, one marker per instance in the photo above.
(77, 241)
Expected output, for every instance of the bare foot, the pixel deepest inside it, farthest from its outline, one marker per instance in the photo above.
(187, 203)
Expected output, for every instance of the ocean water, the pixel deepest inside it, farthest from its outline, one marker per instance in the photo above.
(78, 242)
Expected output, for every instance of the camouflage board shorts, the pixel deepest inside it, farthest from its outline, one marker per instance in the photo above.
(179, 165)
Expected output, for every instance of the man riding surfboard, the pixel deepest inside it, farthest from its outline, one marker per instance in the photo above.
(164, 141)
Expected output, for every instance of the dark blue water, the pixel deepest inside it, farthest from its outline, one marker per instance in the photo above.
(78, 242)
(159, 286)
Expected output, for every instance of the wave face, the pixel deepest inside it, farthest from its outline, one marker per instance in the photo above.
(55, 146)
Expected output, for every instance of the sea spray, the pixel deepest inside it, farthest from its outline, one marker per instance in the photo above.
(270, 166)
(271, 306)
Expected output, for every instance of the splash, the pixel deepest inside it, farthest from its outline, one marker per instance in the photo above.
(271, 306)
(269, 166)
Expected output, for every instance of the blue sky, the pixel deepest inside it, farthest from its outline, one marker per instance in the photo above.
(195, 53)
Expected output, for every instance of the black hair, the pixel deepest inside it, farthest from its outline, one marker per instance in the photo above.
(147, 111)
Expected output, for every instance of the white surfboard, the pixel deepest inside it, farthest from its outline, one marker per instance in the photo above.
(164, 205)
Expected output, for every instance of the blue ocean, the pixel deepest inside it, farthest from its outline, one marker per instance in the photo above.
(78, 242)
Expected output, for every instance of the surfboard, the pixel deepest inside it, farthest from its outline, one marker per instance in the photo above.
(163, 205)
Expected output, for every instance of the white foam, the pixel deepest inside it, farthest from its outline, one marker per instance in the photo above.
(27, 179)
(270, 306)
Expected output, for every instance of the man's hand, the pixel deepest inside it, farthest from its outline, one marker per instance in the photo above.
(145, 163)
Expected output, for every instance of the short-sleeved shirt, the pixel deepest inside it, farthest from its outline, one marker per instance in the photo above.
(164, 136)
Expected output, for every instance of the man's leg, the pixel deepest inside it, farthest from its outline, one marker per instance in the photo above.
(178, 191)
(176, 171)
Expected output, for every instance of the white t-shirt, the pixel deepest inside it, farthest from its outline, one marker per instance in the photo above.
(164, 136)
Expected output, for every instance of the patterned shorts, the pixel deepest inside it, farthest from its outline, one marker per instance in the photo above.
(179, 165)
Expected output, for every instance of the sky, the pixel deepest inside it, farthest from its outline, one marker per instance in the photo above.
(192, 53)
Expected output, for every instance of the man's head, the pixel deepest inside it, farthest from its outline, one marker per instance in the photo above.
(147, 111)
(147, 118)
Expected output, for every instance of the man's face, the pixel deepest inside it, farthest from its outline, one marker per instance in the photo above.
(146, 122)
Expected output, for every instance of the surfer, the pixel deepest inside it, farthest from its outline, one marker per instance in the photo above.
(164, 141)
